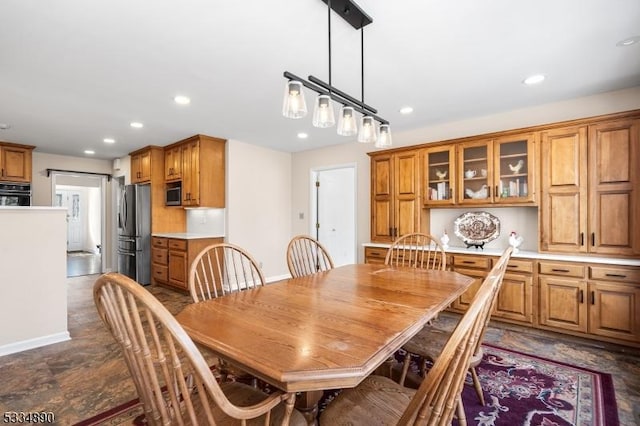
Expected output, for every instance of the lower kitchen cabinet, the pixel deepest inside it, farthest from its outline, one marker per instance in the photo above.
(172, 258)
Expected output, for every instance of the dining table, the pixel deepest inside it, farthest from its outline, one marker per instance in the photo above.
(328, 330)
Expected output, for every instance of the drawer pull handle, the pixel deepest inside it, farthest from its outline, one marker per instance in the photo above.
(512, 266)
(560, 270)
(593, 297)
(616, 275)
(581, 296)
(374, 253)
(468, 261)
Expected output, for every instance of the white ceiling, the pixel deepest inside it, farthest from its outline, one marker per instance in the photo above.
(73, 72)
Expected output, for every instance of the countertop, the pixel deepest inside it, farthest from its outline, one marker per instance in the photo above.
(186, 235)
(532, 255)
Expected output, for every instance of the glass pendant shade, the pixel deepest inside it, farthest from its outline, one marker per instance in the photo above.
(384, 138)
(367, 132)
(347, 125)
(294, 105)
(323, 112)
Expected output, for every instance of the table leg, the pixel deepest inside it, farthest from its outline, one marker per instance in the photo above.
(307, 404)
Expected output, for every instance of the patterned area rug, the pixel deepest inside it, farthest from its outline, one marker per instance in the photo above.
(520, 389)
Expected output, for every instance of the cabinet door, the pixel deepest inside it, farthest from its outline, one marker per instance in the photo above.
(514, 299)
(190, 174)
(475, 168)
(381, 198)
(462, 303)
(16, 164)
(563, 303)
(514, 169)
(407, 200)
(173, 163)
(564, 190)
(439, 175)
(614, 310)
(135, 168)
(178, 268)
(145, 166)
(614, 209)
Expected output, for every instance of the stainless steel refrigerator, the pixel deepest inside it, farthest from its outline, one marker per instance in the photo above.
(134, 233)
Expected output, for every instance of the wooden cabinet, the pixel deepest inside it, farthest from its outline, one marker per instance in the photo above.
(143, 162)
(15, 162)
(606, 304)
(497, 171)
(395, 199)
(476, 267)
(515, 299)
(590, 181)
(172, 258)
(173, 163)
(376, 255)
(439, 180)
(201, 170)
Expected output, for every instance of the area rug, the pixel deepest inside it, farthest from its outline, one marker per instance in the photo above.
(520, 389)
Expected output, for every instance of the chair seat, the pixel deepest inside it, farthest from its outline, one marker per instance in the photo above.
(429, 342)
(376, 401)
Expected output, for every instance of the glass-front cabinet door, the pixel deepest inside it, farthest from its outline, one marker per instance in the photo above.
(475, 160)
(439, 176)
(514, 169)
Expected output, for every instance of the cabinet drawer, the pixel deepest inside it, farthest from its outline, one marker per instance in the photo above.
(561, 269)
(160, 273)
(525, 266)
(159, 242)
(480, 262)
(375, 253)
(178, 244)
(614, 274)
(159, 256)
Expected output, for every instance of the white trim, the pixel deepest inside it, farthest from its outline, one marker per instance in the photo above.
(37, 342)
(277, 278)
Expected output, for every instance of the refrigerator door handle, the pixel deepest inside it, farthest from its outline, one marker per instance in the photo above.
(124, 253)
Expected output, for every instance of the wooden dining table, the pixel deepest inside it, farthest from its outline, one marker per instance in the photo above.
(328, 330)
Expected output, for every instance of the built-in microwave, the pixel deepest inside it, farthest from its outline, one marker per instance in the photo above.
(15, 194)
(173, 194)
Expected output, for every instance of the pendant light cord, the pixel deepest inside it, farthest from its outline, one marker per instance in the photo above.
(361, 63)
(329, 19)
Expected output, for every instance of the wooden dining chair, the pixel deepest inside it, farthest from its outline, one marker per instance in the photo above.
(174, 383)
(380, 400)
(417, 250)
(306, 256)
(429, 342)
(220, 269)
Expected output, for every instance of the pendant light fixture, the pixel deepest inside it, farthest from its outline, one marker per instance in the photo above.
(294, 105)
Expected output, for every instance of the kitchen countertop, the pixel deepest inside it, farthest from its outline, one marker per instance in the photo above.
(186, 235)
(532, 255)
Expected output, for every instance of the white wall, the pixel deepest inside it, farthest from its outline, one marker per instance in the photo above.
(259, 204)
(33, 287)
(303, 162)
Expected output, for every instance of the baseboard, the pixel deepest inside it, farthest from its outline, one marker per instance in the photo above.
(277, 278)
(24, 345)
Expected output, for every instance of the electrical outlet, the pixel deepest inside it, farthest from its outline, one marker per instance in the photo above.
(300, 215)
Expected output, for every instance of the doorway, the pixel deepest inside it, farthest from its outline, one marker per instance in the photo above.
(83, 196)
(333, 217)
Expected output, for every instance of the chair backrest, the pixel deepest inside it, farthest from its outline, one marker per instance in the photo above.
(306, 256)
(174, 382)
(220, 269)
(417, 250)
(436, 399)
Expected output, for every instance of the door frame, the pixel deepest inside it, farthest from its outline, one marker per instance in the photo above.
(313, 173)
(103, 206)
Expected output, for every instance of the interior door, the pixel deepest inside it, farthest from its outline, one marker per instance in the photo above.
(72, 201)
(335, 213)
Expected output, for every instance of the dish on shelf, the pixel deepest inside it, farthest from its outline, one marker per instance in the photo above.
(477, 228)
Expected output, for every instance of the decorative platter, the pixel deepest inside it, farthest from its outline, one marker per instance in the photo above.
(477, 228)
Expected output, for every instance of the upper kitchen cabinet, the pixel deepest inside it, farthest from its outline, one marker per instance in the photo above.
(395, 195)
(590, 184)
(440, 175)
(498, 171)
(202, 164)
(15, 161)
(173, 163)
(142, 163)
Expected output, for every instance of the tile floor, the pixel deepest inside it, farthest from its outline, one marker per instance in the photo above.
(86, 375)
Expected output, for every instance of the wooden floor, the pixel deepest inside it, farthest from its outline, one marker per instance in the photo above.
(86, 375)
(83, 263)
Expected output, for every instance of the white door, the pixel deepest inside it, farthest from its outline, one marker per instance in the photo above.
(72, 201)
(334, 213)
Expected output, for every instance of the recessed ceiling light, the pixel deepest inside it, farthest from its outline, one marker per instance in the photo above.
(406, 110)
(88, 151)
(534, 79)
(628, 41)
(182, 100)
(303, 135)
(109, 140)
(136, 125)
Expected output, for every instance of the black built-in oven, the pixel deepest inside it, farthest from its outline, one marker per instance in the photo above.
(15, 194)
